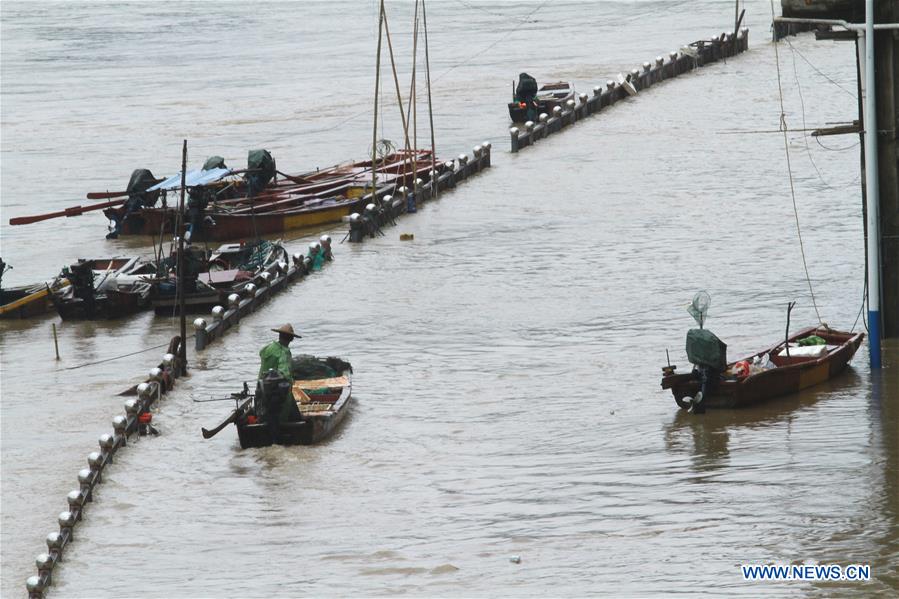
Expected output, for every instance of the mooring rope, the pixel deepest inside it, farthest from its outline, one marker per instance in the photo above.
(817, 70)
(783, 127)
(808, 149)
(134, 353)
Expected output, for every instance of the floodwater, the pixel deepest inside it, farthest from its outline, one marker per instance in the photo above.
(507, 360)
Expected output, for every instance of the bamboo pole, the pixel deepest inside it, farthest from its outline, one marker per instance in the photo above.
(182, 351)
(374, 131)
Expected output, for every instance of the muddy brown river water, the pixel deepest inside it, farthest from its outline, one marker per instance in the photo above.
(506, 361)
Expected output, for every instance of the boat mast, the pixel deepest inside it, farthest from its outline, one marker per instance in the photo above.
(182, 347)
(374, 131)
(396, 83)
(413, 102)
(424, 18)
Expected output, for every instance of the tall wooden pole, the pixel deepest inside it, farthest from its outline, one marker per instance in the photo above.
(182, 352)
(374, 131)
(424, 17)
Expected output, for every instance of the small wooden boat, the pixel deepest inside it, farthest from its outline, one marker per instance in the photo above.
(548, 97)
(228, 269)
(29, 300)
(104, 288)
(769, 373)
(322, 390)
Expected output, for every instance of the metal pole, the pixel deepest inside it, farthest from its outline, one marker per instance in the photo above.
(182, 352)
(873, 190)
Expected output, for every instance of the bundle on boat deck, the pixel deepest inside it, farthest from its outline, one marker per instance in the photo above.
(780, 375)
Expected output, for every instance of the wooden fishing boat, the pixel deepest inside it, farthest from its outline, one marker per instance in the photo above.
(769, 373)
(322, 393)
(229, 269)
(293, 203)
(105, 288)
(548, 97)
(29, 301)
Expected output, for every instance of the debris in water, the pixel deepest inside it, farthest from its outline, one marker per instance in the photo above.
(515, 559)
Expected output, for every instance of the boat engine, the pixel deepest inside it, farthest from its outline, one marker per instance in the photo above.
(272, 392)
(708, 354)
(138, 197)
(705, 351)
(262, 168)
(82, 278)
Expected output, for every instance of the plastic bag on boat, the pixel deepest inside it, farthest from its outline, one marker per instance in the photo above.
(812, 340)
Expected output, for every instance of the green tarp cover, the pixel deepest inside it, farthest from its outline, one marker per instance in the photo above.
(262, 161)
(705, 349)
(140, 180)
(214, 162)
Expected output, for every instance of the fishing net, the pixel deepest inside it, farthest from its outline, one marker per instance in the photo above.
(306, 367)
(258, 257)
(699, 307)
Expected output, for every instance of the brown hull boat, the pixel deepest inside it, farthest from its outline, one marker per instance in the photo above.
(29, 301)
(322, 393)
(294, 203)
(321, 413)
(784, 375)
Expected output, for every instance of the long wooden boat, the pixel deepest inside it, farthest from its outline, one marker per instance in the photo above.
(548, 97)
(323, 396)
(29, 301)
(296, 203)
(780, 375)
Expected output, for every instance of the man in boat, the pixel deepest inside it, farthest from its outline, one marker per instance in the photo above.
(527, 92)
(275, 386)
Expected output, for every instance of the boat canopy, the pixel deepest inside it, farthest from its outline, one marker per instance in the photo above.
(193, 178)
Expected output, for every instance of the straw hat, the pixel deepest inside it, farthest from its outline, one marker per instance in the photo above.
(287, 329)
